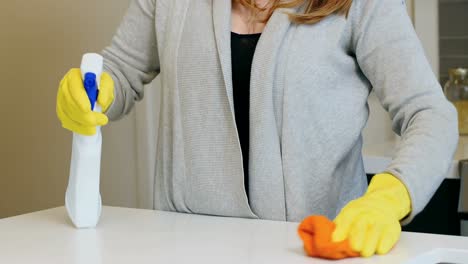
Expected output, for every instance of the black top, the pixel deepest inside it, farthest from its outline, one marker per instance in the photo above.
(242, 52)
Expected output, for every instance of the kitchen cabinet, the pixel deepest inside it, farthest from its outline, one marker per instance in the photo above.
(463, 201)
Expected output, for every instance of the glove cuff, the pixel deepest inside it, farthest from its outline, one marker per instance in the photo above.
(387, 187)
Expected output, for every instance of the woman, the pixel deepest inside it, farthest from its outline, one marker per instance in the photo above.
(285, 112)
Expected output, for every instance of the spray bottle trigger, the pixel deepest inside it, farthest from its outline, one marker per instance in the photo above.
(91, 88)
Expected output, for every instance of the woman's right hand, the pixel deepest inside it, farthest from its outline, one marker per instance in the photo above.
(73, 106)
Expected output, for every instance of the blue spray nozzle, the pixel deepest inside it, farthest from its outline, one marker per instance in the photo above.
(91, 88)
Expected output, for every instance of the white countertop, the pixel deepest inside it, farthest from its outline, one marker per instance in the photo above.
(378, 156)
(145, 236)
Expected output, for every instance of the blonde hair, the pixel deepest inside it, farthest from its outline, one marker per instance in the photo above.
(314, 10)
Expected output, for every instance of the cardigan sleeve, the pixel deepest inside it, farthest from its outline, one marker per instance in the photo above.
(132, 58)
(390, 55)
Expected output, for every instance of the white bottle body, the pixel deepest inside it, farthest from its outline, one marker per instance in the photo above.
(82, 198)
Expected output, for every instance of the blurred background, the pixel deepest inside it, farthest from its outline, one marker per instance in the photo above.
(42, 40)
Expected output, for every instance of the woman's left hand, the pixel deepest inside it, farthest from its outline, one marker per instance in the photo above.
(372, 222)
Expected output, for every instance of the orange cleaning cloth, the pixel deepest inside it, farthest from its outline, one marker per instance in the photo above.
(316, 233)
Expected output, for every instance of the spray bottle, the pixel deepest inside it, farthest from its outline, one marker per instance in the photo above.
(82, 198)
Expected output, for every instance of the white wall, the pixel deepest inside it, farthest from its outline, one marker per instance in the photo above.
(379, 127)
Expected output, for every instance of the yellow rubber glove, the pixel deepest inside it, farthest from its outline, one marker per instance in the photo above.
(73, 106)
(372, 222)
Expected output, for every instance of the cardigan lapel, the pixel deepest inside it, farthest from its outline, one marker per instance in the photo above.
(222, 28)
(266, 165)
(272, 35)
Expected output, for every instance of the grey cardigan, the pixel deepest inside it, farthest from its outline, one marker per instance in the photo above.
(309, 91)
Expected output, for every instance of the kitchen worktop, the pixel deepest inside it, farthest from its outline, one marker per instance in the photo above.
(146, 236)
(378, 156)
